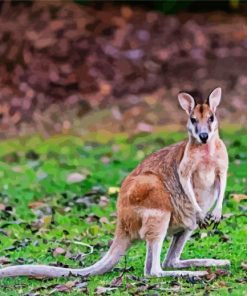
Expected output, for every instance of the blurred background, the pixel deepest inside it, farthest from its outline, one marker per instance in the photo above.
(81, 66)
(87, 90)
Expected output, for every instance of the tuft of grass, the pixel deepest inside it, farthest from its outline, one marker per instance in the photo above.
(41, 210)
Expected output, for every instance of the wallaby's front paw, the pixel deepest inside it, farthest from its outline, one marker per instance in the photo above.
(216, 216)
(200, 220)
(211, 219)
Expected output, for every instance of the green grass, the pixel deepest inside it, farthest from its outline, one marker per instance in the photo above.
(36, 169)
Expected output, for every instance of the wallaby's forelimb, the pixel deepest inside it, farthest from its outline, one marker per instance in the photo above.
(111, 258)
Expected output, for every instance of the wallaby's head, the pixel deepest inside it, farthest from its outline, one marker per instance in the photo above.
(202, 121)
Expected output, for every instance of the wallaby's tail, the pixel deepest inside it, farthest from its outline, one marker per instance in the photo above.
(111, 258)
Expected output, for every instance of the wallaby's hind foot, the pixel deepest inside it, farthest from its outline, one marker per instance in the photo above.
(198, 262)
(179, 273)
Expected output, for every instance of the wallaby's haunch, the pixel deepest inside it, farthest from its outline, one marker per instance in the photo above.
(171, 192)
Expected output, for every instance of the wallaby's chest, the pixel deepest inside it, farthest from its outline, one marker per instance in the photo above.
(205, 169)
(204, 180)
(204, 176)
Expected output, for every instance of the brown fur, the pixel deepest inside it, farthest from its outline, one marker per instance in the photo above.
(154, 184)
(202, 112)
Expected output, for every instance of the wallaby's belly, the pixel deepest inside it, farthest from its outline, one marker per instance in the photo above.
(204, 183)
(205, 198)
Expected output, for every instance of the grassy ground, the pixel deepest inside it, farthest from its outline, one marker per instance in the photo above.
(47, 211)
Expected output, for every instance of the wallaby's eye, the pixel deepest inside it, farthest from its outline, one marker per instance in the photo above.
(211, 118)
(193, 120)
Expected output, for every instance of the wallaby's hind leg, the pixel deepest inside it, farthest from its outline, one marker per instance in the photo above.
(176, 247)
(173, 255)
(154, 230)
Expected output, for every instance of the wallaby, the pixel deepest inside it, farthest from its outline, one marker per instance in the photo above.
(171, 192)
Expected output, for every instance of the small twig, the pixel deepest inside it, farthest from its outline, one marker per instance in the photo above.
(82, 244)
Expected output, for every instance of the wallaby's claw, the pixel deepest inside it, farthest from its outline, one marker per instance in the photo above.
(216, 224)
(200, 220)
(202, 224)
(209, 220)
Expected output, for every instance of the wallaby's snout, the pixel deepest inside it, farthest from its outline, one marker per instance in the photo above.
(203, 137)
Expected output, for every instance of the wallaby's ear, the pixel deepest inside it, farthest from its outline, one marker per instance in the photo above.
(214, 98)
(186, 101)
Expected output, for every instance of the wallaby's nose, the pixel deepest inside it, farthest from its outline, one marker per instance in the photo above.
(203, 137)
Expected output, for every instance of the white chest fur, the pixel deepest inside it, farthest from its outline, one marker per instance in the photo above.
(204, 180)
(201, 168)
